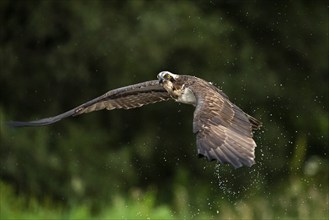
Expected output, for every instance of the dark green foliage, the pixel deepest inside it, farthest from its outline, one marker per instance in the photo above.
(271, 59)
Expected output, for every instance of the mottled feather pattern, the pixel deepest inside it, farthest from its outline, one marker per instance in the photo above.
(132, 96)
(126, 102)
(223, 130)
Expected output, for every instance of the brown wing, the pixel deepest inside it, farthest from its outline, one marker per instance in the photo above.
(132, 96)
(223, 130)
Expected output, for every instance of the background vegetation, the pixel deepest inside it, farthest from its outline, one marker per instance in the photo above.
(271, 59)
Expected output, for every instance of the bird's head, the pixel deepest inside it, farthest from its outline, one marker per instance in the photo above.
(166, 76)
(171, 82)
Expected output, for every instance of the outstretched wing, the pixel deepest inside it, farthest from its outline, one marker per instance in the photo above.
(223, 130)
(132, 96)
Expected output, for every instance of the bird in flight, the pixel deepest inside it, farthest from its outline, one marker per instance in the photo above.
(223, 131)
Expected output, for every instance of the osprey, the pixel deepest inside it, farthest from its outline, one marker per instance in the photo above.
(223, 131)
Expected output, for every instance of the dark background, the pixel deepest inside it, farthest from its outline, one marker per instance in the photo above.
(271, 59)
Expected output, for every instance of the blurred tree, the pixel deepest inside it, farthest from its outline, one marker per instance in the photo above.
(270, 58)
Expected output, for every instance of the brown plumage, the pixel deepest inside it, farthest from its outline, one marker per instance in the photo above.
(223, 131)
(128, 97)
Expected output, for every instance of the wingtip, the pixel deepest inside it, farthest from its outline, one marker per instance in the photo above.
(10, 124)
(14, 124)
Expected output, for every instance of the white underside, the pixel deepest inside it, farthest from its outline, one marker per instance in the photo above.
(187, 97)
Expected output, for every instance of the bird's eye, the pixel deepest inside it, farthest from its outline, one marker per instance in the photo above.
(167, 76)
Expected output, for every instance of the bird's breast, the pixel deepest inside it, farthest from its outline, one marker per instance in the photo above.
(187, 97)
